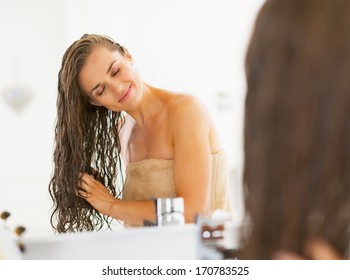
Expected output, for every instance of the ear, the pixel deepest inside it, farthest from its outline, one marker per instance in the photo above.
(93, 102)
(128, 55)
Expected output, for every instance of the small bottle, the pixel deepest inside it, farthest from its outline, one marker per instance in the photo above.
(170, 211)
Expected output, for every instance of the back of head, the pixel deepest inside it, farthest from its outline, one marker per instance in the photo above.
(296, 126)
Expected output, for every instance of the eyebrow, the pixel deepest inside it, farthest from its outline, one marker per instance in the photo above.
(109, 69)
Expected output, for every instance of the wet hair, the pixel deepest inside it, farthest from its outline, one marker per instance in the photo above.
(86, 140)
(297, 131)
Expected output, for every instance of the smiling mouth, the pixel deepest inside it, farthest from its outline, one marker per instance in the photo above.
(126, 94)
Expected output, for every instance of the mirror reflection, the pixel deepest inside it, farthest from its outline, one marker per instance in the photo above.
(195, 48)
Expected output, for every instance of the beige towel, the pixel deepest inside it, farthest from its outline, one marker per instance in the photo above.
(152, 178)
(148, 179)
(219, 194)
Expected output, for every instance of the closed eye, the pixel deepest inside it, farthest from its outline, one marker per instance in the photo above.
(115, 72)
(99, 91)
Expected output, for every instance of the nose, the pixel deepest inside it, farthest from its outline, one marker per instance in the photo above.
(116, 88)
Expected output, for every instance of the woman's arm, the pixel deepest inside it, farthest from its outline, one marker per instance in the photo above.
(134, 212)
(191, 126)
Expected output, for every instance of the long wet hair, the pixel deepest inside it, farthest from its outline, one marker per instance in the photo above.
(86, 140)
(297, 127)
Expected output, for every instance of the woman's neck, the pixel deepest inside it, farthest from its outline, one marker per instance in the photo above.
(149, 106)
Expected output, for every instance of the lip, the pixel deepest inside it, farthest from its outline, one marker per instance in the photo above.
(125, 95)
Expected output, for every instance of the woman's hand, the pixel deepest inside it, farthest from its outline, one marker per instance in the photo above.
(96, 194)
(315, 249)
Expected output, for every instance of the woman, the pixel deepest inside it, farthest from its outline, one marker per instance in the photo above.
(167, 141)
(297, 134)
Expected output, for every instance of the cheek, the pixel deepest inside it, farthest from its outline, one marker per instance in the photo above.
(136, 77)
(132, 73)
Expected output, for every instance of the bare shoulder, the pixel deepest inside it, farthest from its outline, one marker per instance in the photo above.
(188, 115)
(189, 106)
(178, 103)
(186, 112)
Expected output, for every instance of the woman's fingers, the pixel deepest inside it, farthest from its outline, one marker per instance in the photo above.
(86, 178)
(82, 194)
(82, 190)
(84, 186)
(315, 249)
(95, 193)
(286, 255)
(319, 249)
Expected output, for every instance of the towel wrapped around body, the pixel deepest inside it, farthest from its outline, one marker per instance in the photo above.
(151, 178)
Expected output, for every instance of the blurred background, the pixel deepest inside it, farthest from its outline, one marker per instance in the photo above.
(193, 46)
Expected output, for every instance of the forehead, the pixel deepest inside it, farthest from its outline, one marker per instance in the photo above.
(96, 66)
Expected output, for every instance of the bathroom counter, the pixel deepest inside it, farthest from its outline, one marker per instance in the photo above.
(144, 243)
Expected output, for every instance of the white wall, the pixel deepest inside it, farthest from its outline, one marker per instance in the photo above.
(195, 46)
(30, 36)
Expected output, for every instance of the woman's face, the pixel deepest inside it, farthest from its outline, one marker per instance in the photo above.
(110, 80)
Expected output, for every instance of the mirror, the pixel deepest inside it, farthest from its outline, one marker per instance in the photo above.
(193, 46)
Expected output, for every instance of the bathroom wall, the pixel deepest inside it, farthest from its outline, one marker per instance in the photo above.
(31, 35)
(194, 46)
